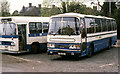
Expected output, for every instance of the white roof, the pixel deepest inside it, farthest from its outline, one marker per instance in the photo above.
(24, 19)
(69, 14)
(79, 15)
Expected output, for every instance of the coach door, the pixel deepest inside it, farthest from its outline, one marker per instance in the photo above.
(83, 37)
(22, 37)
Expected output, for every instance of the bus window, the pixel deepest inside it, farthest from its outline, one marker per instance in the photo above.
(7, 29)
(89, 25)
(32, 27)
(104, 26)
(77, 26)
(45, 27)
(64, 26)
(115, 25)
(109, 25)
(2, 29)
(39, 27)
(35, 27)
(98, 25)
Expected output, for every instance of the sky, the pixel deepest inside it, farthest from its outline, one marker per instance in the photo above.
(18, 4)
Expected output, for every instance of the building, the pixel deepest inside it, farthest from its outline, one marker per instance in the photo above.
(31, 10)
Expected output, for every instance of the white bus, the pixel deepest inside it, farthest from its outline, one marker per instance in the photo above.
(80, 35)
(23, 34)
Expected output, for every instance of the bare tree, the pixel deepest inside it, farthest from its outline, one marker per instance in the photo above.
(5, 8)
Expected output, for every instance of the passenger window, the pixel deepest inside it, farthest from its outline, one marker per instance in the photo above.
(98, 25)
(104, 25)
(39, 27)
(115, 25)
(35, 27)
(109, 25)
(45, 27)
(32, 27)
(90, 25)
(77, 26)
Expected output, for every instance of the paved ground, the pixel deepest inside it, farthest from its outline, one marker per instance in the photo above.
(105, 61)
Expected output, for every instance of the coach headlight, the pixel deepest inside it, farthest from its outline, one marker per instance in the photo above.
(13, 44)
(74, 47)
(51, 45)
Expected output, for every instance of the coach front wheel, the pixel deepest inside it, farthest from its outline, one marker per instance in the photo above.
(91, 49)
(109, 44)
(35, 48)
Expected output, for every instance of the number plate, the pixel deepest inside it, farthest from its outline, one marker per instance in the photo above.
(6, 46)
(61, 53)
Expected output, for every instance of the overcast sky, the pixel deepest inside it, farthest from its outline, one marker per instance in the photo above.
(18, 4)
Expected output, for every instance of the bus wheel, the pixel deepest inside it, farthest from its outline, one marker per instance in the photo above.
(91, 49)
(109, 44)
(35, 48)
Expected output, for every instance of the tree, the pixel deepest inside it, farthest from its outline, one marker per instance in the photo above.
(5, 8)
(105, 9)
(117, 17)
(78, 7)
(63, 7)
(15, 13)
(46, 12)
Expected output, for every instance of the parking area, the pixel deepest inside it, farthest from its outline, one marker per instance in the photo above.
(104, 61)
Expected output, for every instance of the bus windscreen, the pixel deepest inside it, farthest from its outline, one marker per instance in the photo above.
(7, 29)
(64, 26)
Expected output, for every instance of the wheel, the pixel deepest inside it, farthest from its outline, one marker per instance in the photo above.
(91, 49)
(109, 44)
(35, 48)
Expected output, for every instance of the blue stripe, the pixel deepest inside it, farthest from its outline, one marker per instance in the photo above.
(63, 48)
(37, 34)
(6, 43)
(65, 51)
(9, 36)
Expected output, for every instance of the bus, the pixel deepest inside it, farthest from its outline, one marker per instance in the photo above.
(74, 34)
(23, 34)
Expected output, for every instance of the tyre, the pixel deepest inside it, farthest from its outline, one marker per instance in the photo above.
(109, 44)
(35, 48)
(91, 49)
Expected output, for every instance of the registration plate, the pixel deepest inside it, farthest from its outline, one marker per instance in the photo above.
(6, 46)
(61, 53)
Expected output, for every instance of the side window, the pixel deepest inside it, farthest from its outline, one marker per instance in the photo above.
(90, 25)
(32, 28)
(1, 29)
(77, 26)
(35, 27)
(109, 25)
(45, 27)
(115, 25)
(98, 25)
(39, 27)
(104, 25)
